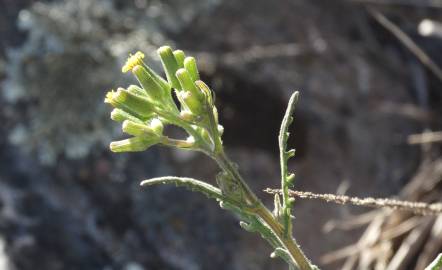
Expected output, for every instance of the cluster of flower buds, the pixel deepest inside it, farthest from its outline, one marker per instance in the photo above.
(145, 109)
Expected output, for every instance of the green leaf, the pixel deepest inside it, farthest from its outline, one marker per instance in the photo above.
(283, 254)
(286, 179)
(189, 183)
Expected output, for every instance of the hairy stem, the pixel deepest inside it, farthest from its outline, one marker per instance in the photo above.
(258, 208)
(289, 243)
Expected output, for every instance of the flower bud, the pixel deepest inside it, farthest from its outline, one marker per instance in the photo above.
(206, 137)
(134, 144)
(170, 65)
(137, 90)
(150, 85)
(179, 57)
(186, 115)
(191, 67)
(158, 79)
(181, 96)
(119, 115)
(187, 83)
(137, 129)
(137, 60)
(157, 126)
(194, 96)
(129, 102)
(206, 92)
(192, 104)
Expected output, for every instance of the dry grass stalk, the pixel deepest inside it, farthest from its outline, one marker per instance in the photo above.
(404, 241)
(419, 208)
(425, 137)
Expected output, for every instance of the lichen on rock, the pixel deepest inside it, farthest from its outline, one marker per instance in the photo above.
(73, 53)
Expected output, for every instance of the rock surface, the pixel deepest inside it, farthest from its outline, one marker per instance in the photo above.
(67, 203)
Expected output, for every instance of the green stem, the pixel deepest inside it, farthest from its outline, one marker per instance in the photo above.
(227, 166)
(177, 143)
(290, 244)
(175, 120)
(258, 208)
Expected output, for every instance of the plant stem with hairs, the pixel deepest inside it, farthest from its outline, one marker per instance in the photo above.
(144, 111)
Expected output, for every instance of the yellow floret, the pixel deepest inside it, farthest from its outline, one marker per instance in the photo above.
(109, 96)
(133, 61)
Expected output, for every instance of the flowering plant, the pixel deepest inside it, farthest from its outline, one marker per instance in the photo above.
(144, 110)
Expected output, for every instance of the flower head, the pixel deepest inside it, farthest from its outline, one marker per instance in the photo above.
(133, 61)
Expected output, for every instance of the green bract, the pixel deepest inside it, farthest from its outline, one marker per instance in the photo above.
(144, 110)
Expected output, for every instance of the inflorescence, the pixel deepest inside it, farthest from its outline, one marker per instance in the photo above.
(144, 110)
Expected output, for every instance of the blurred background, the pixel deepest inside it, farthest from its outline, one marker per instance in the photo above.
(367, 124)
